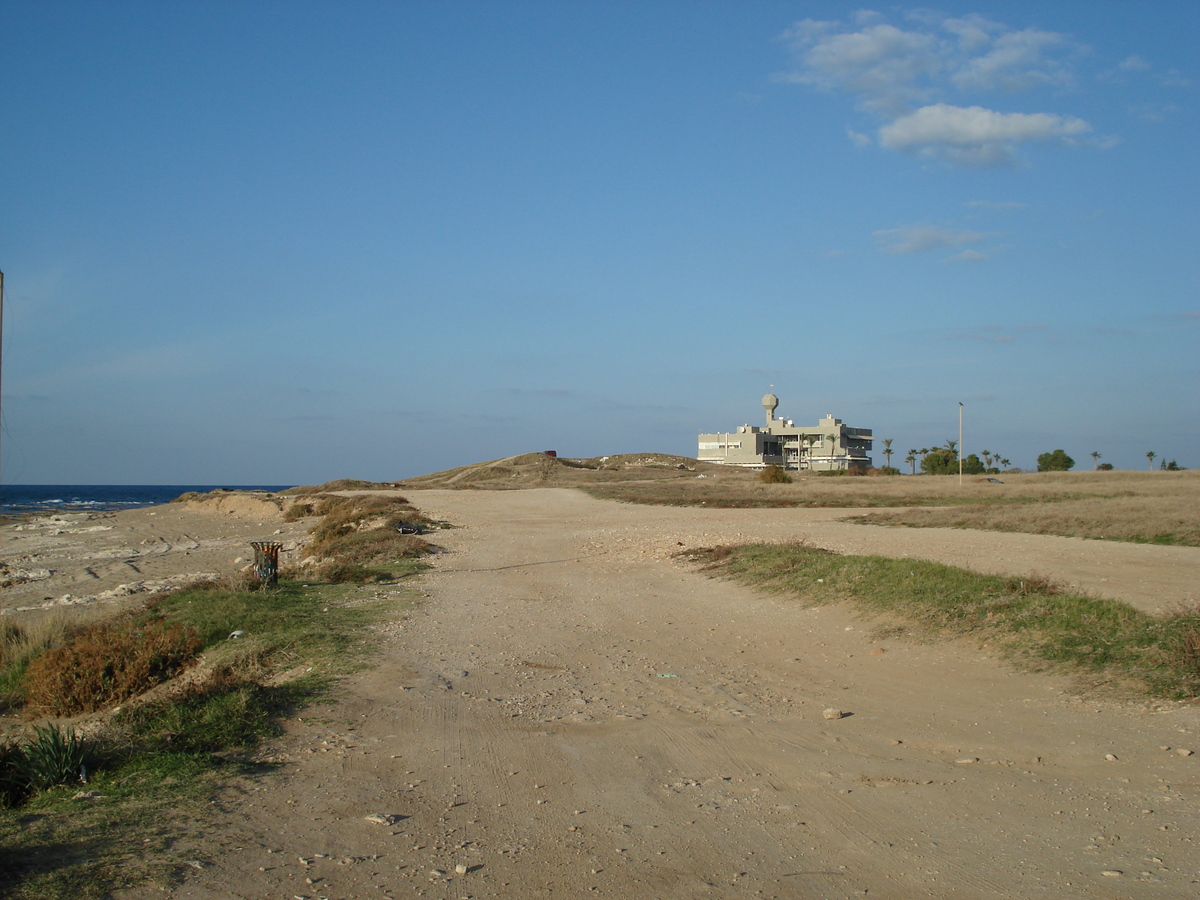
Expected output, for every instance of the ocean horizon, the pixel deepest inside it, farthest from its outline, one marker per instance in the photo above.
(18, 499)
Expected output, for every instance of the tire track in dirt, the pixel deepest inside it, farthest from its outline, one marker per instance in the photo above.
(630, 728)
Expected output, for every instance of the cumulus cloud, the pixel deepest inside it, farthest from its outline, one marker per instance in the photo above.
(906, 76)
(973, 135)
(1015, 61)
(919, 238)
(882, 64)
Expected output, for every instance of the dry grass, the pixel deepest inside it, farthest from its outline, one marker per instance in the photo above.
(1149, 507)
(1144, 507)
(106, 664)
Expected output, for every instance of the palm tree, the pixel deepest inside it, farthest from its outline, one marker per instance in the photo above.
(987, 458)
(911, 459)
(1004, 463)
(1150, 456)
(832, 446)
(887, 451)
(952, 446)
(1095, 460)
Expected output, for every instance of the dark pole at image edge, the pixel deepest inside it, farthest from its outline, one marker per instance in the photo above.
(1, 359)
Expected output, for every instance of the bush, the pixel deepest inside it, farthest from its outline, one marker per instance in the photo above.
(106, 664)
(1058, 461)
(940, 462)
(973, 465)
(54, 756)
(774, 475)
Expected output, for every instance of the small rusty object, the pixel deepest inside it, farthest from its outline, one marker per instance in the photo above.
(266, 560)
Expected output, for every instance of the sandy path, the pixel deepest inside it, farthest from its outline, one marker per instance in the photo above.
(572, 714)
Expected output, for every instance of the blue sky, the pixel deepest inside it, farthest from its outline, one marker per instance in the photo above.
(284, 242)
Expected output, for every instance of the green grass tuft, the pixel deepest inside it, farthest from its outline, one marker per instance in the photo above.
(1038, 623)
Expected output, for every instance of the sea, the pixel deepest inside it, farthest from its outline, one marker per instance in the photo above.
(23, 499)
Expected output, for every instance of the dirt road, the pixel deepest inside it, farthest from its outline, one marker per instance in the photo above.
(572, 713)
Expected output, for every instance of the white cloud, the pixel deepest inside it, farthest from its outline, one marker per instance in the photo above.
(1015, 61)
(858, 139)
(881, 64)
(906, 76)
(973, 135)
(1134, 63)
(919, 238)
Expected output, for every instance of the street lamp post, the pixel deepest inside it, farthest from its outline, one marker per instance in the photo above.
(960, 444)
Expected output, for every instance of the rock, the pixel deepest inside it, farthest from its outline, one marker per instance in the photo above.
(1111, 757)
(380, 819)
(966, 760)
(460, 869)
(833, 713)
(1183, 752)
(1112, 873)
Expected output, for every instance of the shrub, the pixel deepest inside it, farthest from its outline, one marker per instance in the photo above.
(298, 510)
(774, 475)
(337, 571)
(973, 465)
(1057, 461)
(54, 756)
(106, 664)
(940, 462)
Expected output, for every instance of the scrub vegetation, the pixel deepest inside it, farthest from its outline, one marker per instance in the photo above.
(1036, 623)
(132, 718)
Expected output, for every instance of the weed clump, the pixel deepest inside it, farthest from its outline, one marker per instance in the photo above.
(774, 475)
(363, 538)
(106, 664)
(54, 756)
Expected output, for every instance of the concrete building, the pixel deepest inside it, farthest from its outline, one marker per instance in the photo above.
(828, 446)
